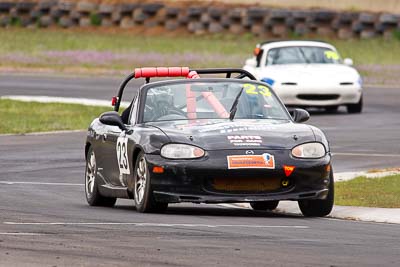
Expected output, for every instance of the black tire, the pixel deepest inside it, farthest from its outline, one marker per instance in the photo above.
(331, 109)
(355, 108)
(264, 205)
(142, 191)
(93, 196)
(319, 207)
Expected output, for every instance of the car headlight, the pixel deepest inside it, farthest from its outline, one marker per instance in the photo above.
(181, 151)
(360, 81)
(309, 150)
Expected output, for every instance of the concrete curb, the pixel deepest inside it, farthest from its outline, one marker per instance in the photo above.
(345, 176)
(378, 215)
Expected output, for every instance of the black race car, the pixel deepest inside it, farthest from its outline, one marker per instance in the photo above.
(206, 140)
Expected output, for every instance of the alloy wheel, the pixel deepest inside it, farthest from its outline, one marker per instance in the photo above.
(141, 180)
(90, 174)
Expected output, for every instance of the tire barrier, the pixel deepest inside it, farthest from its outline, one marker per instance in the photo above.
(199, 19)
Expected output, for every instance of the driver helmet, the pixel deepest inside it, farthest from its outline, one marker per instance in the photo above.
(161, 99)
(160, 96)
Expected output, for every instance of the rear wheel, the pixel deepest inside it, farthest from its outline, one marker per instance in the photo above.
(355, 108)
(93, 196)
(143, 194)
(319, 207)
(264, 205)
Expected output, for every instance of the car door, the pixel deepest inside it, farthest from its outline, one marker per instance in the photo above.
(109, 160)
(117, 156)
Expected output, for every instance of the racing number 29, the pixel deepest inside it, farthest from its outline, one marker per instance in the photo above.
(251, 89)
(122, 155)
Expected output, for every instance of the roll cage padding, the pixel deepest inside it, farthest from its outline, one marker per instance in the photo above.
(148, 73)
(161, 72)
(208, 96)
(215, 104)
(191, 97)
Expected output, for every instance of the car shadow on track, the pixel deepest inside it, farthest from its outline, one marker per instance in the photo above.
(230, 212)
(218, 211)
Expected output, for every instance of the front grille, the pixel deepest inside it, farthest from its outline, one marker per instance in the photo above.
(318, 97)
(256, 185)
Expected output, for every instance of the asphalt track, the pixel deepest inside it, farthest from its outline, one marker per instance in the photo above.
(44, 220)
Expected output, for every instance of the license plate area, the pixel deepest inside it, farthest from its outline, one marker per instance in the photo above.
(257, 184)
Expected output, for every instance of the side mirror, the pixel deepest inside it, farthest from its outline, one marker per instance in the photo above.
(251, 62)
(112, 118)
(348, 62)
(300, 115)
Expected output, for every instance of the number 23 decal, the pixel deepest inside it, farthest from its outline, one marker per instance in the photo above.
(251, 89)
(122, 155)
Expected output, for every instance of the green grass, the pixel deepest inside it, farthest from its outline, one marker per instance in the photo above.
(36, 40)
(32, 42)
(369, 192)
(25, 117)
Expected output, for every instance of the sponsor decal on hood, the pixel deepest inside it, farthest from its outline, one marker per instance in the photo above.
(245, 140)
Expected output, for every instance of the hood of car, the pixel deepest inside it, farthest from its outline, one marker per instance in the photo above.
(326, 74)
(237, 134)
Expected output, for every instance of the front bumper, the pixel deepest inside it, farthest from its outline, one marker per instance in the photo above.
(319, 97)
(193, 180)
(177, 198)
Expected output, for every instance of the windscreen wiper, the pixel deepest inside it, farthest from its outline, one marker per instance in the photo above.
(233, 109)
(304, 55)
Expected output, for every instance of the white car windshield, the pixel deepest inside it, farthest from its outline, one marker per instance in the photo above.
(211, 100)
(302, 55)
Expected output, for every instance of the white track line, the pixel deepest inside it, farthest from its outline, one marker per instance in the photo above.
(159, 224)
(64, 100)
(39, 183)
(25, 234)
(44, 133)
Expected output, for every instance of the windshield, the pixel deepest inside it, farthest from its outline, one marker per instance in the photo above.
(302, 55)
(211, 100)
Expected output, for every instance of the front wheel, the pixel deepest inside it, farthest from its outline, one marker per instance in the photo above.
(143, 194)
(93, 196)
(355, 108)
(264, 205)
(319, 207)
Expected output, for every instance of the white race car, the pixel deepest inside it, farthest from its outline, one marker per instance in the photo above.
(308, 74)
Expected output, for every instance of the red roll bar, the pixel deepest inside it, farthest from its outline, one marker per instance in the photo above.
(148, 73)
(161, 72)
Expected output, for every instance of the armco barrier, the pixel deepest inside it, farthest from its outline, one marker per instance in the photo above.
(199, 18)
